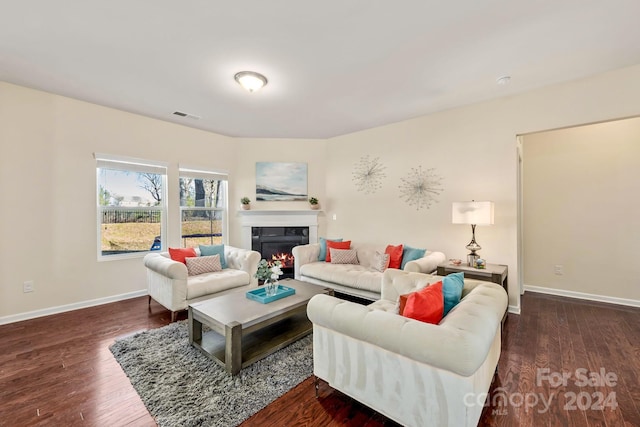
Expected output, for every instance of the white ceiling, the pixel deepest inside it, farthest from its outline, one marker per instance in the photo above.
(334, 66)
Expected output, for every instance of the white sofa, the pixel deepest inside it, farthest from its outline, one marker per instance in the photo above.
(359, 280)
(415, 373)
(169, 284)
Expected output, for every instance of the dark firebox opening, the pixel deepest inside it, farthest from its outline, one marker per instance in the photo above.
(276, 243)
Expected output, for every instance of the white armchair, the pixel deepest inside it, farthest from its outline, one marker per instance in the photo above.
(169, 284)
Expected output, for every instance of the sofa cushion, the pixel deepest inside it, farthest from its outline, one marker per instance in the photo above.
(395, 255)
(350, 275)
(343, 256)
(211, 283)
(203, 264)
(179, 254)
(206, 250)
(411, 254)
(336, 245)
(426, 305)
(323, 247)
(452, 286)
(367, 253)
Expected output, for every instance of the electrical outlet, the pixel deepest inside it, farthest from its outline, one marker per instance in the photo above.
(27, 286)
(335, 217)
(558, 269)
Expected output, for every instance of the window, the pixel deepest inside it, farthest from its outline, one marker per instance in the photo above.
(132, 211)
(203, 207)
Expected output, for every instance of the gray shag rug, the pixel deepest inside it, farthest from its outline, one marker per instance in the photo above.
(182, 387)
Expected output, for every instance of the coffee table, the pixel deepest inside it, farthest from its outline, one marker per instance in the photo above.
(244, 331)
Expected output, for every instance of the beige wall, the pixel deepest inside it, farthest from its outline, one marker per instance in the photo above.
(47, 188)
(582, 210)
(46, 163)
(250, 151)
(475, 150)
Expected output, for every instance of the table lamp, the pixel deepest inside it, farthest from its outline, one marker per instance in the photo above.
(474, 213)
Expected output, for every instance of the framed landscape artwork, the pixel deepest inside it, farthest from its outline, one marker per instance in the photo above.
(281, 181)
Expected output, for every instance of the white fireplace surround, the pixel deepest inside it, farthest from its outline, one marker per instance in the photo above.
(277, 218)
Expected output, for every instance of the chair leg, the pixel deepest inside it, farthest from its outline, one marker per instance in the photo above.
(149, 302)
(316, 382)
(174, 316)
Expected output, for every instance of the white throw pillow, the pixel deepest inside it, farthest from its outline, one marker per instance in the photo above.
(380, 261)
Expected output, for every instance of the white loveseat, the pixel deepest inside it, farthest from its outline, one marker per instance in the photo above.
(169, 284)
(415, 373)
(361, 280)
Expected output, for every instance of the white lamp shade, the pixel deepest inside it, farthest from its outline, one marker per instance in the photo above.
(478, 213)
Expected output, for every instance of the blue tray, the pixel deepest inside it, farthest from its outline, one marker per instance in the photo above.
(260, 294)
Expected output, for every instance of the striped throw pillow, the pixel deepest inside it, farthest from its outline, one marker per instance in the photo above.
(203, 264)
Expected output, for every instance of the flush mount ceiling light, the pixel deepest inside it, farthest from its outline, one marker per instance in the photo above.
(504, 80)
(250, 80)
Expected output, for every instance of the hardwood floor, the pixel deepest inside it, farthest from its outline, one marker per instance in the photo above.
(58, 370)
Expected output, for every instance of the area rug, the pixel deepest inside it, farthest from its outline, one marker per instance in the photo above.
(182, 387)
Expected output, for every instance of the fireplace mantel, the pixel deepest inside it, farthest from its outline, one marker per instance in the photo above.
(278, 218)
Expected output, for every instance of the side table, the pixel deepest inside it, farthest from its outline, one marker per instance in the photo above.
(496, 273)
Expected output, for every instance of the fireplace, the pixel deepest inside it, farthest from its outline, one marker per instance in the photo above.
(276, 243)
(298, 225)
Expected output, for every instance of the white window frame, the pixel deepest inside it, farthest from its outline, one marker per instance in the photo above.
(131, 164)
(204, 173)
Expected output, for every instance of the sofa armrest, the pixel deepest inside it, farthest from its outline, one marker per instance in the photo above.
(165, 266)
(243, 259)
(427, 264)
(399, 282)
(304, 254)
(460, 343)
(166, 281)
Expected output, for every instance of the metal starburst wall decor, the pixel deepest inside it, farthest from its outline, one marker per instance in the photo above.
(420, 187)
(368, 174)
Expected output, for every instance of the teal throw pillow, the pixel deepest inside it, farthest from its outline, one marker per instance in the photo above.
(452, 286)
(206, 250)
(411, 254)
(323, 248)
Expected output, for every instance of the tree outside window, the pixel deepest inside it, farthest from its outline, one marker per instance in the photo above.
(131, 208)
(203, 209)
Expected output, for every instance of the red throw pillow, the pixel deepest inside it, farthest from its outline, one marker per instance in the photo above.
(336, 245)
(426, 305)
(179, 254)
(395, 255)
(403, 303)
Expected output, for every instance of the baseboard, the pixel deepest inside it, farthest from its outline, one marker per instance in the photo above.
(69, 307)
(513, 309)
(582, 295)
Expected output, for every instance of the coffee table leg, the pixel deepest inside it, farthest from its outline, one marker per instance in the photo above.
(195, 329)
(233, 347)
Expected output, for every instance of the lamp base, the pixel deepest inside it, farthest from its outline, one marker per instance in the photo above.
(473, 246)
(472, 258)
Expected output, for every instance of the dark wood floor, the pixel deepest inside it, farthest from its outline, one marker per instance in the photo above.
(58, 370)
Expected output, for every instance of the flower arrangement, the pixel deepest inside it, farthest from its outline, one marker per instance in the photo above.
(269, 271)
